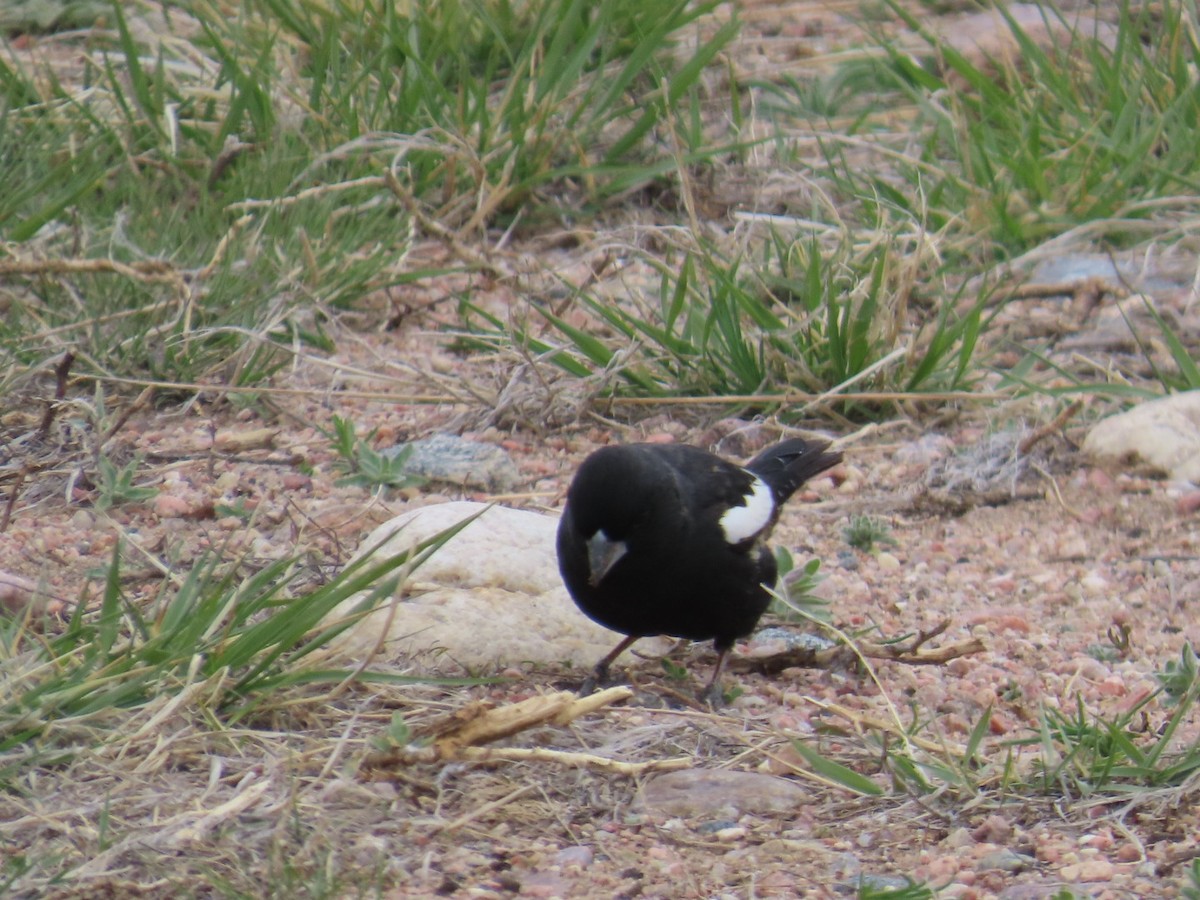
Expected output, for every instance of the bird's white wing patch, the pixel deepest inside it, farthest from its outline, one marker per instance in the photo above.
(741, 523)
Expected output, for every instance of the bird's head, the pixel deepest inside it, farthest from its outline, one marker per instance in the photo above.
(613, 501)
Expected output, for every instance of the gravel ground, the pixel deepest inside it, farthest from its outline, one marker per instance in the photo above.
(1042, 580)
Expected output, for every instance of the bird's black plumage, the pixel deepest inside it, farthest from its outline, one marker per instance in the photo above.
(670, 539)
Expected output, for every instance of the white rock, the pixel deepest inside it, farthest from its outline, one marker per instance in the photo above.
(1163, 433)
(491, 596)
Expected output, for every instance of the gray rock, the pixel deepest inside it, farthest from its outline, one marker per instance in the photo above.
(1163, 434)
(459, 461)
(689, 793)
(794, 640)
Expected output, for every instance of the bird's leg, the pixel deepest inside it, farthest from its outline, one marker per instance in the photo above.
(600, 673)
(713, 695)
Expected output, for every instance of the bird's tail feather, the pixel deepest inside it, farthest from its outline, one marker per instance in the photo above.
(788, 464)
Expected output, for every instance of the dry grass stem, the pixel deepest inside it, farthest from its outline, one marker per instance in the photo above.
(457, 738)
(912, 652)
(867, 722)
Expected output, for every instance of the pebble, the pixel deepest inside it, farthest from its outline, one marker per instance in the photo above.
(577, 856)
(1038, 892)
(1128, 852)
(994, 829)
(1006, 861)
(167, 506)
(958, 838)
(16, 593)
(714, 826)
(1188, 503)
(888, 562)
(1088, 870)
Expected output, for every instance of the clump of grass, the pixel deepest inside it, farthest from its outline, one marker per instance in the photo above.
(1191, 888)
(1090, 127)
(223, 181)
(878, 889)
(233, 643)
(1179, 679)
(367, 467)
(865, 532)
(800, 316)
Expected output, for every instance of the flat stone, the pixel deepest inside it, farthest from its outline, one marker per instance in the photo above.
(1163, 434)
(491, 596)
(689, 793)
(463, 462)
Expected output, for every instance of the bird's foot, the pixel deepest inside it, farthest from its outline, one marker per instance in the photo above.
(713, 695)
(598, 677)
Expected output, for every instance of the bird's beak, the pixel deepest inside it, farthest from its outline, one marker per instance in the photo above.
(603, 554)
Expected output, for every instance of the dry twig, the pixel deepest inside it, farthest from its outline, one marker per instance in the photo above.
(458, 737)
(1028, 442)
(912, 652)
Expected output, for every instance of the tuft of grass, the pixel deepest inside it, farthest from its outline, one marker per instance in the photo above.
(222, 182)
(798, 315)
(1191, 888)
(231, 644)
(1090, 127)
(1179, 679)
(864, 532)
(874, 889)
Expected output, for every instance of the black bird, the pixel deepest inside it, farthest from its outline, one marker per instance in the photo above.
(671, 539)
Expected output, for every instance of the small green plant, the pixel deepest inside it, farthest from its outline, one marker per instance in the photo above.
(397, 734)
(236, 510)
(796, 589)
(367, 467)
(836, 773)
(115, 486)
(674, 671)
(1178, 678)
(876, 889)
(1120, 643)
(1191, 890)
(864, 532)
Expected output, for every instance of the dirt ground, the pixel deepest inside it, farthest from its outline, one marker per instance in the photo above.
(1041, 578)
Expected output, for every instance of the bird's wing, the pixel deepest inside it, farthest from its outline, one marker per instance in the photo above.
(716, 493)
